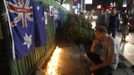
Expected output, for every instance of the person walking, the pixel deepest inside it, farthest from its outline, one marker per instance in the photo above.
(113, 23)
(124, 26)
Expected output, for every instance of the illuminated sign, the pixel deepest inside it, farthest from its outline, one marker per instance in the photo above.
(88, 1)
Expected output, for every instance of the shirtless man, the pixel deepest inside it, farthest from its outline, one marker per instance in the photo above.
(101, 53)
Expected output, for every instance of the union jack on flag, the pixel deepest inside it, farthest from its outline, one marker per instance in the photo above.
(22, 10)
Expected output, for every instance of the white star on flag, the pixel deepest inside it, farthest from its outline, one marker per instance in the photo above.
(42, 18)
(38, 8)
(27, 40)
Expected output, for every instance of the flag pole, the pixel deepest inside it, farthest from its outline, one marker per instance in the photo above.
(10, 28)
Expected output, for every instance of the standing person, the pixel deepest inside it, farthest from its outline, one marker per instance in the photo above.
(101, 54)
(107, 16)
(113, 23)
(101, 18)
(124, 26)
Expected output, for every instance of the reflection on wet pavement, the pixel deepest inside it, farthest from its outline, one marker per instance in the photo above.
(65, 61)
(127, 48)
(52, 65)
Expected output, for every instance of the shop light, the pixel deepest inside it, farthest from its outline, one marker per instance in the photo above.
(88, 1)
(67, 6)
(124, 5)
(98, 6)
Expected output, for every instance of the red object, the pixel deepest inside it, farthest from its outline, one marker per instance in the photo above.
(109, 8)
(74, 1)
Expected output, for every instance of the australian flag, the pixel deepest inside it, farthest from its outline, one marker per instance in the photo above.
(22, 26)
(39, 21)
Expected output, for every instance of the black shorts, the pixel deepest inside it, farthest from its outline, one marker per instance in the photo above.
(96, 59)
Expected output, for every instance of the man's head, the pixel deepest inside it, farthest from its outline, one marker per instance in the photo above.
(114, 11)
(100, 32)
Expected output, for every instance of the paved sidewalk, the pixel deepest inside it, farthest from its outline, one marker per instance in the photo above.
(127, 48)
(69, 62)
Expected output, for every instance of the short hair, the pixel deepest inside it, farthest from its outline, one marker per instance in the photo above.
(101, 29)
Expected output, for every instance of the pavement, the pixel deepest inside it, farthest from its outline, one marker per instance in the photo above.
(127, 48)
(69, 61)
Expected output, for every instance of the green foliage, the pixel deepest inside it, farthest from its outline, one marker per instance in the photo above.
(78, 29)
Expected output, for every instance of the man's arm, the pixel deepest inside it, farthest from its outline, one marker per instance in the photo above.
(93, 47)
(110, 56)
(89, 60)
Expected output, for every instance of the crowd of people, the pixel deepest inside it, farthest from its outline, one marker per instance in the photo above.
(103, 56)
(114, 20)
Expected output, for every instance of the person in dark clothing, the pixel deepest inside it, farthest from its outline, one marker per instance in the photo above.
(124, 26)
(101, 19)
(113, 23)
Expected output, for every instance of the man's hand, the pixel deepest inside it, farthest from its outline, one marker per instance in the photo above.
(93, 68)
(93, 48)
(90, 61)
